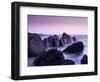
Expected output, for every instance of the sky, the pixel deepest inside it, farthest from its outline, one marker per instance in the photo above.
(57, 24)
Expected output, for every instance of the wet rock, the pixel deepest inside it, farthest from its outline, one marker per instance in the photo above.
(51, 57)
(74, 48)
(66, 38)
(36, 46)
(69, 62)
(84, 59)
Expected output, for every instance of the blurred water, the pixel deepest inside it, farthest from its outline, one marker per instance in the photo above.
(75, 57)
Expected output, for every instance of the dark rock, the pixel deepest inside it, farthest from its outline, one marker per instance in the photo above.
(36, 46)
(61, 43)
(51, 41)
(69, 62)
(74, 38)
(56, 38)
(66, 38)
(46, 42)
(84, 59)
(51, 57)
(74, 48)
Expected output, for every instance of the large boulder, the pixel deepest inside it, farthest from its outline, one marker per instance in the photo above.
(51, 57)
(36, 46)
(66, 38)
(74, 48)
(84, 59)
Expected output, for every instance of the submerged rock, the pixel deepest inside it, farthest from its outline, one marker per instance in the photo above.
(69, 62)
(36, 46)
(51, 57)
(84, 59)
(74, 48)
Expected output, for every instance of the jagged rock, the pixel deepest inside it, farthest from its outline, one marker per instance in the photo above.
(74, 48)
(51, 57)
(69, 62)
(66, 38)
(36, 46)
(84, 59)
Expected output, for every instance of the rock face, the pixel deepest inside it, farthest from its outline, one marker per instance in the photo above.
(36, 46)
(66, 38)
(51, 57)
(69, 62)
(74, 48)
(84, 60)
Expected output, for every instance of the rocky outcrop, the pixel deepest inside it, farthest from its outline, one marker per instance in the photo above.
(84, 59)
(51, 57)
(51, 41)
(35, 46)
(74, 48)
(66, 38)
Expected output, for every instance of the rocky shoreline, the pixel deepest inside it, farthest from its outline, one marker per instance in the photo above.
(39, 49)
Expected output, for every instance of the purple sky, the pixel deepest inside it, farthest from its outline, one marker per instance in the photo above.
(57, 24)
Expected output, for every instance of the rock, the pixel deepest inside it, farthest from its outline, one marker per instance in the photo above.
(74, 38)
(46, 42)
(61, 43)
(56, 38)
(51, 57)
(30, 35)
(51, 41)
(84, 59)
(74, 48)
(69, 62)
(66, 38)
(36, 46)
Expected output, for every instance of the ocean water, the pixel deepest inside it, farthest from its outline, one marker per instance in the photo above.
(75, 57)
